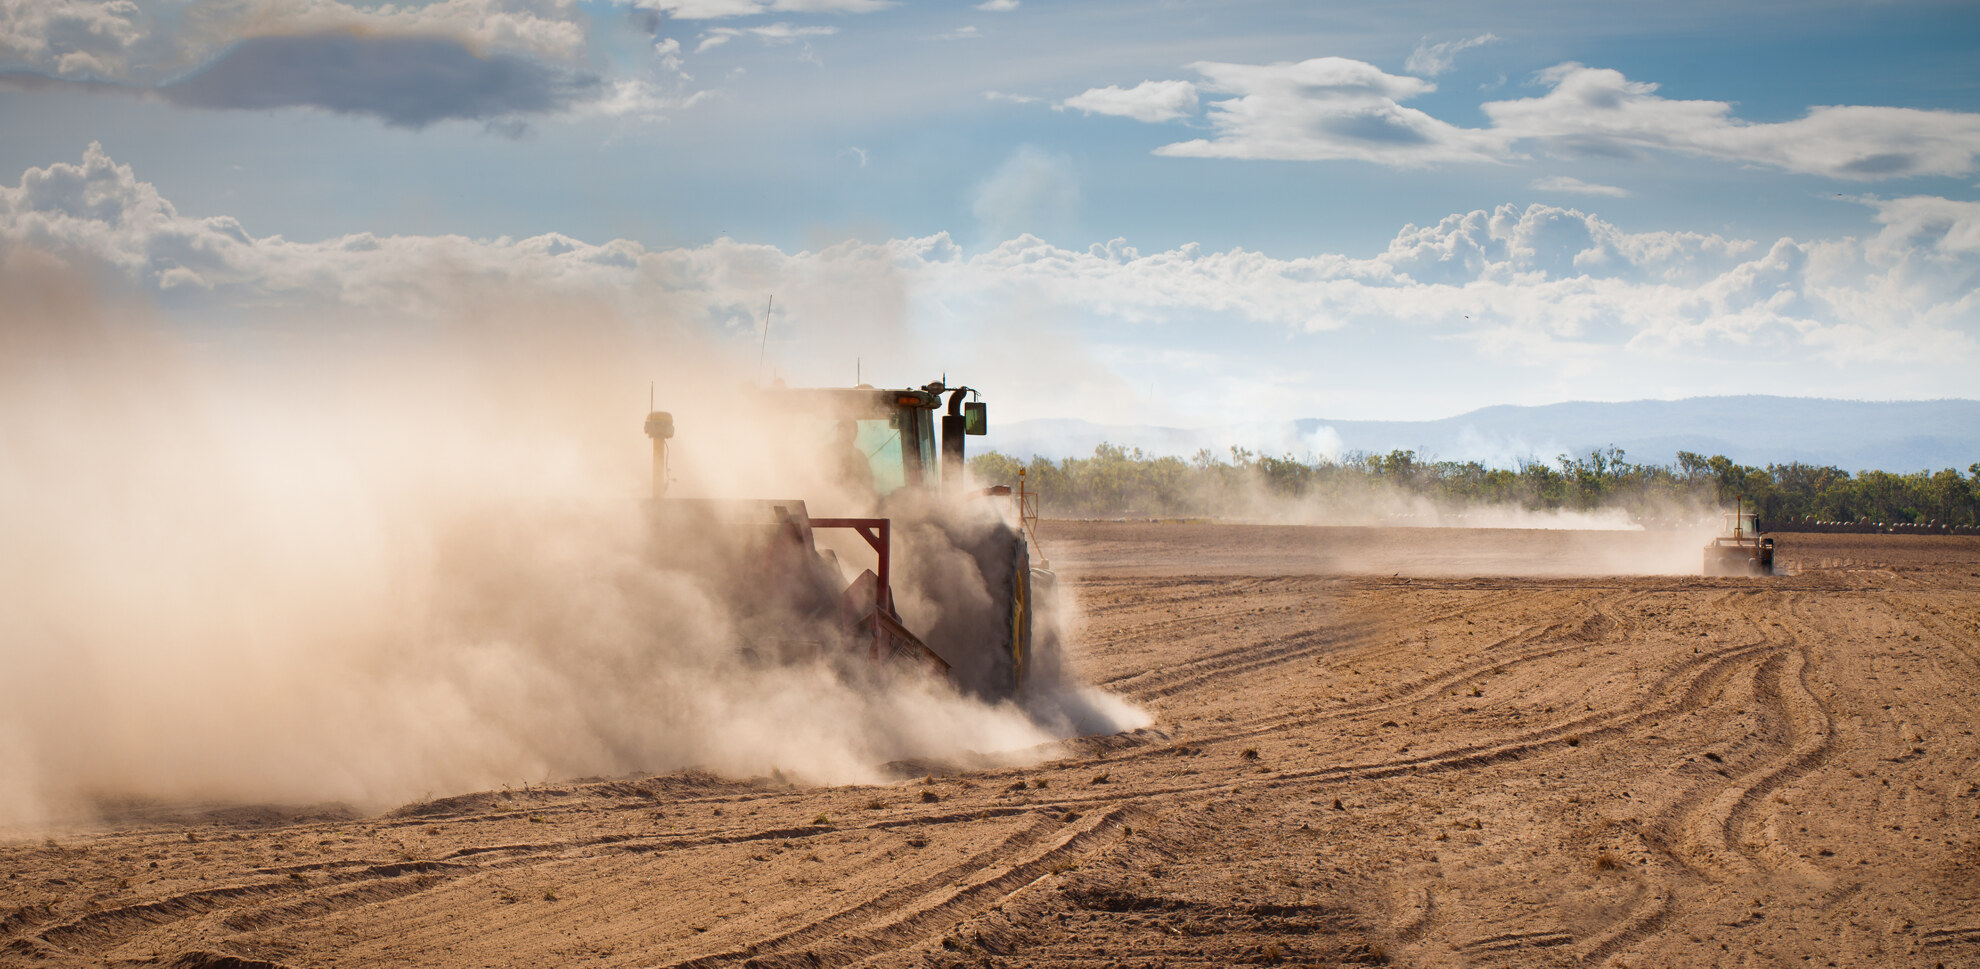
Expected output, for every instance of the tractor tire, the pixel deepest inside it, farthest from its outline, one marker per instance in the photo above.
(984, 633)
(1005, 561)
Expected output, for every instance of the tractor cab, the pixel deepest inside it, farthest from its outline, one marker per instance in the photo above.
(886, 440)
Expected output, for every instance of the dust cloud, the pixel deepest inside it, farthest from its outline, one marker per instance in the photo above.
(1484, 538)
(369, 562)
(1364, 526)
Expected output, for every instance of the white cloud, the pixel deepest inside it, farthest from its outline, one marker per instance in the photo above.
(115, 40)
(1532, 283)
(1593, 111)
(1431, 60)
(1947, 227)
(1327, 108)
(998, 6)
(1575, 186)
(667, 55)
(723, 9)
(72, 38)
(1150, 101)
(1333, 108)
(1012, 98)
(638, 98)
(546, 28)
(772, 34)
(960, 33)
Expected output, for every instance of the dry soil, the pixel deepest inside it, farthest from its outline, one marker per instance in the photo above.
(1413, 747)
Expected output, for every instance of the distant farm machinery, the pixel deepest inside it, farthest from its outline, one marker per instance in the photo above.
(1740, 550)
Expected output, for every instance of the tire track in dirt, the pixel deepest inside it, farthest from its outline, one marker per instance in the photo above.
(1245, 657)
(861, 932)
(1953, 649)
(1239, 660)
(878, 906)
(106, 929)
(1967, 938)
(1144, 596)
(341, 897)
(1809, 731)
(1596, 726)
(1586, 631)
(1647, 916)
(1710, 823)
(1653, 907)
(1422, 913)
(261, 907)
(1516, 943)
(1699, 677)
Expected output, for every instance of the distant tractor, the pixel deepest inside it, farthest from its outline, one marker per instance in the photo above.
(1740, 550)
(882, 447)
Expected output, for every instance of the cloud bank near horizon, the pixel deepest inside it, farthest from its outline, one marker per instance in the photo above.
(1533, 286)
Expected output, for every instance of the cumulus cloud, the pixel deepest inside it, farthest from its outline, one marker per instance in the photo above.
(1324, 109)
(1575, 186)
(998, 6)
(723, 9)
(1947, 227)
(1529, 283)
(1333, 108)
(72, 38)
(1431, 60)
(1148, 101)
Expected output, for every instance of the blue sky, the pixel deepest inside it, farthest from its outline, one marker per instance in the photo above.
(1183, 213)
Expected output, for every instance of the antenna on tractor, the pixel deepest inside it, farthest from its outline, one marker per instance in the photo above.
(766, 337)
(858, 377)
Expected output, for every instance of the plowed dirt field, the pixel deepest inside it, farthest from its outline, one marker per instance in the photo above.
(1414, 747)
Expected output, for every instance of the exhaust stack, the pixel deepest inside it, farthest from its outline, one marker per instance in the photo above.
(659, 427)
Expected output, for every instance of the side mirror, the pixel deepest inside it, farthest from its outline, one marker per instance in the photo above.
(976, 418)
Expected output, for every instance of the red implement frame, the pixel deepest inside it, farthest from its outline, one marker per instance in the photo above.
(889, 635)
(878, 533)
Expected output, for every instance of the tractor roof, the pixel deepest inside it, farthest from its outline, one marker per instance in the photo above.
(863, 399)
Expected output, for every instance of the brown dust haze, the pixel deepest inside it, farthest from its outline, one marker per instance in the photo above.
(340, 560)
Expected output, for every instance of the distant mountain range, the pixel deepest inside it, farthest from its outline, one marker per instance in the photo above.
(1854, 435)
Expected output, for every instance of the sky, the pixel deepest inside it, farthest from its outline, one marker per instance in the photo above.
(1183, 213)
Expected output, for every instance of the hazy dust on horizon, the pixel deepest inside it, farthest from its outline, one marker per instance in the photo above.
(345, 561)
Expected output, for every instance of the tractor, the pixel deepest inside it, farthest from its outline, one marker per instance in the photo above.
(1740, 550)
(881, 450)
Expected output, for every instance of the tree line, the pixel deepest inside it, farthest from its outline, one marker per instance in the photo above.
(1120, 481)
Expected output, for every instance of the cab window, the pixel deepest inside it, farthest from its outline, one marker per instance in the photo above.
(931, 462)
(880, 440)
